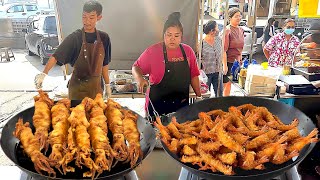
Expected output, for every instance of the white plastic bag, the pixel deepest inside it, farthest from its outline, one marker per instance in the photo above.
(203, 77)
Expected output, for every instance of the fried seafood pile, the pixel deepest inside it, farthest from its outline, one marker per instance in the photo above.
(246, 137)
(80, 135)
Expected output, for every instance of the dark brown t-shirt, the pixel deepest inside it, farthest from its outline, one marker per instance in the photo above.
(234, 42)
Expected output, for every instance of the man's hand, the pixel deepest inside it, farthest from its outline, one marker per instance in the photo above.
(107, 91)
(39, 79)
(141, 84)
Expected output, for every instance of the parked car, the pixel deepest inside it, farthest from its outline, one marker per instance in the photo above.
(19, 10)
(247, 42)
(41, 37)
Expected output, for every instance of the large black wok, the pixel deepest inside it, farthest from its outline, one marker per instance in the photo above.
(285, 112)
(12, 149)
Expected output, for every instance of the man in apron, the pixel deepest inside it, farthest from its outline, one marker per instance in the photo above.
(88, 51)
(172, 68)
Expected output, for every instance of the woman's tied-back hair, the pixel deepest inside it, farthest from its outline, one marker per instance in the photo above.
(233, 11)
(270, 21)
(92, 5)
(209, 26)
(173, 21)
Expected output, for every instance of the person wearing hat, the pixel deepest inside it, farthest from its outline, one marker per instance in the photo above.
(314, 32)
(311, 42)
(88, 51)
(281, 48)
(233, 46)
(211, 56)
(172, 68)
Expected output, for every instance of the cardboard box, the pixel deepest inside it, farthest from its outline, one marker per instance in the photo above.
(262, 79)
(257, 88)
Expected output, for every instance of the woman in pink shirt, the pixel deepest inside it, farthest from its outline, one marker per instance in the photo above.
(281, 48)
(171, 66)
(233, 46)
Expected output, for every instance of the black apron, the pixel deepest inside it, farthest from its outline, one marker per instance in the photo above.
(172, 93)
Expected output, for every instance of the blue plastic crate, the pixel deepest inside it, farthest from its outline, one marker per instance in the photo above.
(289, 101)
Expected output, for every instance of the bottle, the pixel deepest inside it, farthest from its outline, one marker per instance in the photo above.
(245, 63)
(254, 61)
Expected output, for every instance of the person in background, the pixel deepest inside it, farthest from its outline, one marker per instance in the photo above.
(277, 29)
(233, 46)
(281, 48)
(314, 30)
(89, 52)
(171, 67)
(211, 56)
(269, 31)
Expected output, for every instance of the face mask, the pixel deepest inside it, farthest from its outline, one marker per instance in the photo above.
(289, 31)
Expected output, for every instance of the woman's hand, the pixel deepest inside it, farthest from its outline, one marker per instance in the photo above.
(225, 70)
(240, 61)
(141, 84)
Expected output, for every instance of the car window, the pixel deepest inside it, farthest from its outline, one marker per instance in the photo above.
(50, 24)
(15, 8)
(31, 7)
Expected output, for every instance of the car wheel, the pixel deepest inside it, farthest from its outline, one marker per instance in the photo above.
(29, 52)
(43, 60)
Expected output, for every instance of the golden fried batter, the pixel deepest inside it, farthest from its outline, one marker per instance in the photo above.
(31, 147)
(42, 118)
(132, 135)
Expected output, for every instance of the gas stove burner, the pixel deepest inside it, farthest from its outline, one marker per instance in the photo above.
(130, 176)
(291, 174)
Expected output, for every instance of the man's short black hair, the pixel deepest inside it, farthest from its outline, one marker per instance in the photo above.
(91, 6)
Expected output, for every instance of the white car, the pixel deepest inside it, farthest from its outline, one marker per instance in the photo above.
(19, 10)
(247, 41)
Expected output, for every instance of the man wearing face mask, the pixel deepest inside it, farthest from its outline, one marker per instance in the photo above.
(88, 51)
(281, 48)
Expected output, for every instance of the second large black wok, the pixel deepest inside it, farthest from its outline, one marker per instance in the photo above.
(285, 112)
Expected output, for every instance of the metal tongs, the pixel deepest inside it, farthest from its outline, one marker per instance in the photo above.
(149, 117)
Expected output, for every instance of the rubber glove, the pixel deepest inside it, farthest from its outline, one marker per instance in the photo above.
(107, 91)
(38, 80)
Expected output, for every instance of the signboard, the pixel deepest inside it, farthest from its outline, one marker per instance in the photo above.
(309, 9)
(318, 12)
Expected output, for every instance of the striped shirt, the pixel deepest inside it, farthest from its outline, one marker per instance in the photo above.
(211, 56)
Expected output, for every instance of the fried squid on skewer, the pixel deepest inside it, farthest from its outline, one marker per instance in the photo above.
(31, 147)
(79, 141)
(132, 135)
(98, 131)
(58, 136)
(42, 118)
(115, 124)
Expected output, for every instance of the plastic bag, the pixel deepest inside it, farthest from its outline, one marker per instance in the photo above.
(203, 77)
